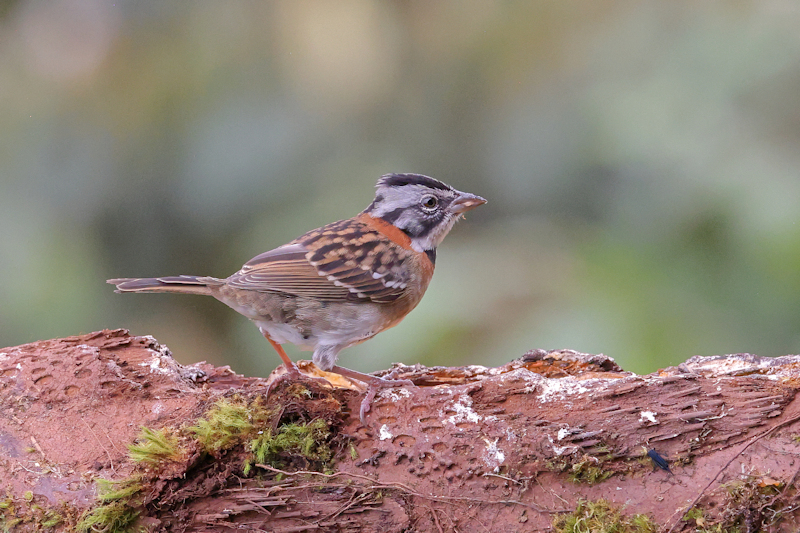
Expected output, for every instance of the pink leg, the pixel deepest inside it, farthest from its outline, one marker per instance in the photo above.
(374, 385)
(291, 368)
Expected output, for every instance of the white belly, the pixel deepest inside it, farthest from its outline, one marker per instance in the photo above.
(343, 326)
(283, 333)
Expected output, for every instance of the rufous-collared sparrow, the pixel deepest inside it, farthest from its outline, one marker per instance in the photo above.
(343, 283)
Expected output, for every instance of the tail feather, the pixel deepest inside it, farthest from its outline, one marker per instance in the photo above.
(182, 284)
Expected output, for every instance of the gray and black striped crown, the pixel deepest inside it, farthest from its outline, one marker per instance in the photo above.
(400, 180)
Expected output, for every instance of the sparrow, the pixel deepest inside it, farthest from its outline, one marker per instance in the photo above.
(343, 283)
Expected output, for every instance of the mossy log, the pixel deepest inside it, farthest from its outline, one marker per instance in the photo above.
(106, 432)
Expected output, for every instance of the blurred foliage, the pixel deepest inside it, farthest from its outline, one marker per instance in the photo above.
(640, 160)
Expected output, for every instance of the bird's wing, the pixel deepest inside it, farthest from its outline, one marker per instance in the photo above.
(342, 261)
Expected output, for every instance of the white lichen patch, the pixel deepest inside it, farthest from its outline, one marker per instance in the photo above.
(563, 433)
(553, 389)
(494, 456)
(521, 374)
(463, 411)
(725, 366)
(648, 416)
(162, 361)
(384, 433)
(559, 450)
(511, 435)
(395, 395)
(89, 349)
(743, 363)
(157, 365)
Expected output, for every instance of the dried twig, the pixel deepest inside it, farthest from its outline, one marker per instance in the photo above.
(373, 484)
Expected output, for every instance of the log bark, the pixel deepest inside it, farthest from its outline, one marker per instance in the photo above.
(511, 448)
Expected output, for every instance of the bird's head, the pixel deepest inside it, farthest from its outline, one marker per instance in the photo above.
(423, 208)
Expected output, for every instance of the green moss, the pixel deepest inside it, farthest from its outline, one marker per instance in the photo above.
(224, 426)
(10, 524)
(600, 517)
(695, 513)
(111, 491)
(155, 447)
(119, 502)
(230, 423)
(309, 441)
(51, 519)
(115, 517)
(118, 510)
(588, 470)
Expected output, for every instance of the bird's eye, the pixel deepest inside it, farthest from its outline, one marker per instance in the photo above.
(429, 202)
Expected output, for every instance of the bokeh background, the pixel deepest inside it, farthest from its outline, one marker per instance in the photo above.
(641, 161)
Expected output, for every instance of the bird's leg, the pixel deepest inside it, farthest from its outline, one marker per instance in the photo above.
(291, 368)
(374, 384)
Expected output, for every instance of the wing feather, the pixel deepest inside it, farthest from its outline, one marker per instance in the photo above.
(343, 261)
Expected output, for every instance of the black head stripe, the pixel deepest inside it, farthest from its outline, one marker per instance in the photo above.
(399, 180)
(392, 216)
(426, 225)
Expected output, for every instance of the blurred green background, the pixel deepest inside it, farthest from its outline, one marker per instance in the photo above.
(641, 163)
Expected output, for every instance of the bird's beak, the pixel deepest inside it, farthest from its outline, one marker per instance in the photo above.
(466, 201)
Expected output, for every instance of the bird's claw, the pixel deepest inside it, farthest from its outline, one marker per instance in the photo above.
(374, 386)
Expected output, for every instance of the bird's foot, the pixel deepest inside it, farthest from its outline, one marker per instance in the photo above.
(291, 370)
(374, 385)
(292, 373)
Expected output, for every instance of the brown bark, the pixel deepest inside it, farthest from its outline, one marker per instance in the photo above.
(467, 449)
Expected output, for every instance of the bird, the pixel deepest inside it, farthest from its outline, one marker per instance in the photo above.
(343, 283)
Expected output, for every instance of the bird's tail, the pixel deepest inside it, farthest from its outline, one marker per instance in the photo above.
(184, 284)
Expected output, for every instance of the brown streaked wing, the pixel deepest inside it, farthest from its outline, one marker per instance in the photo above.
(286, 270)
(353, 254)
(314, 266)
